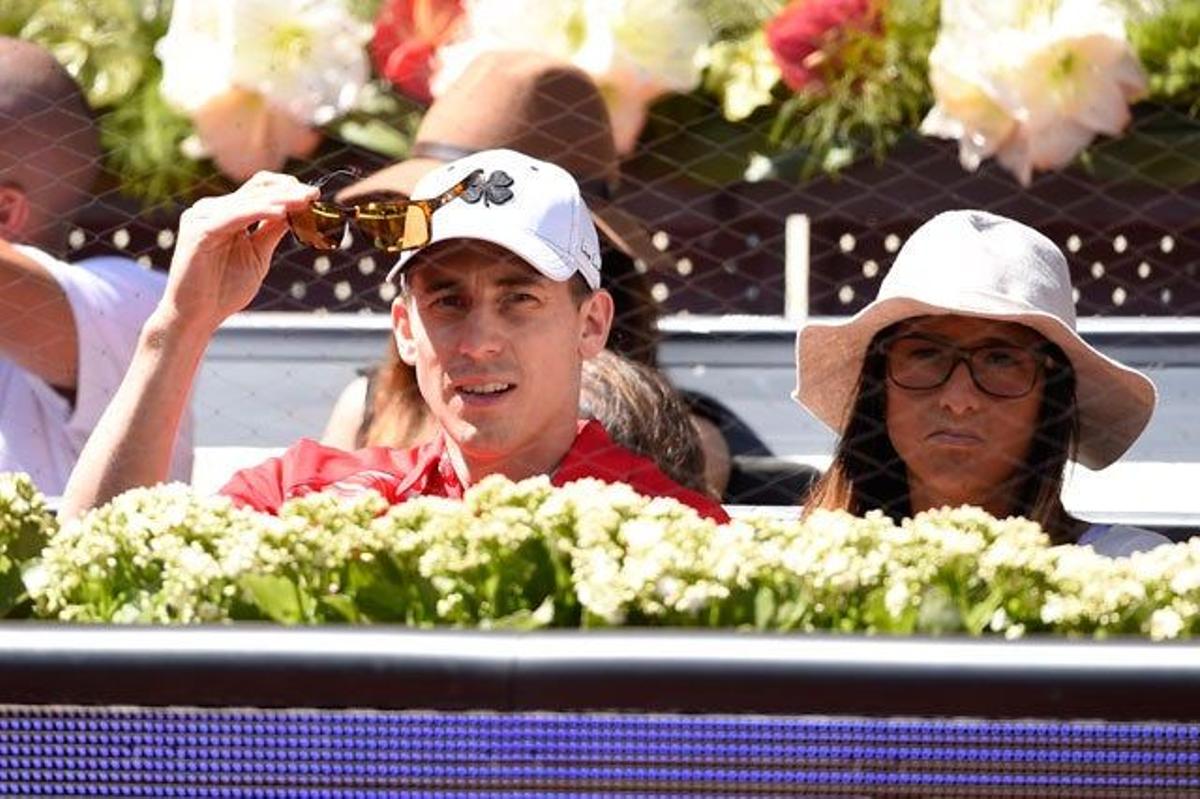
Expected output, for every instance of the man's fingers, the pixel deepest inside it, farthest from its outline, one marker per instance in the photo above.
(268, 179)
(290, 190)
(230, 215)
(266, 238)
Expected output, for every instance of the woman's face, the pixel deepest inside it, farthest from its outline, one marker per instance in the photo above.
(962, 444)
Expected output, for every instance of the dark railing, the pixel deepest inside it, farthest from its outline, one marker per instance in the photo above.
(653, 671)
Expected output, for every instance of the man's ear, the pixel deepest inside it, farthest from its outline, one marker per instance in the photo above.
(597, 313)
(402, 324)
(14, 213)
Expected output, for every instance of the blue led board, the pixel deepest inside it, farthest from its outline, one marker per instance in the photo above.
(169, 751)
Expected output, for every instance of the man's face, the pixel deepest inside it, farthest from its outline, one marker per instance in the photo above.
(497, 348)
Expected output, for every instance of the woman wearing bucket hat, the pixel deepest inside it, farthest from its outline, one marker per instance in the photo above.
(971, 385)
(542, 107)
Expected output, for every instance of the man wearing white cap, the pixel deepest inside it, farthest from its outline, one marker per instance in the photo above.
(499, 306)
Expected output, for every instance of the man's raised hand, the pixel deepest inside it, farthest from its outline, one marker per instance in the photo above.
(224, 248)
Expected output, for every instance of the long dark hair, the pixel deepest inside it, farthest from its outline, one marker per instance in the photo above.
(868, 474)
(642, 411)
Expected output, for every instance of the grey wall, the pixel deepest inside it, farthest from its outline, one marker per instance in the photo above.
(269, 379)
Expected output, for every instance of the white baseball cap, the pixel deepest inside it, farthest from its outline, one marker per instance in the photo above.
(532, 208)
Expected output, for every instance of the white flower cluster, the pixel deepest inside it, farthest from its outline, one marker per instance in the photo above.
(589, 554)
(24, 520)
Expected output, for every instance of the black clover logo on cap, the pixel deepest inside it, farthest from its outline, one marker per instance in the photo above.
(493, 190)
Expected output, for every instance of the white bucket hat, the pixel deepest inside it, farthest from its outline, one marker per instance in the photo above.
(979, 264)
(530, 207)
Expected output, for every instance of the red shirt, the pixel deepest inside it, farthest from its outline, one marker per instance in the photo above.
(400, 474)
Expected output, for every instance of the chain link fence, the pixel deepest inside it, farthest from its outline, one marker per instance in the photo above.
(743, 235)
(1130, 227)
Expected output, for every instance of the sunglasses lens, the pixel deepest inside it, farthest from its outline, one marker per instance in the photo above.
(416, 227)
(394, 227)
(319, 226)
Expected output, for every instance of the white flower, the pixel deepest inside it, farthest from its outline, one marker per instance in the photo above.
(743, 72)
(306, 57)
(1031, 82)
(999, 621)
(636, 50)
(197, 65)
(164, 555)
(1165, 623)
(256, 75)
(897, 599)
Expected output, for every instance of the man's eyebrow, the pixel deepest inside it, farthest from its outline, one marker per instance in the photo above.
(438, 279)
(524, 279)
(438, 282)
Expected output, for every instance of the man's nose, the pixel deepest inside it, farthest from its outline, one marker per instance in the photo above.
(480, 334)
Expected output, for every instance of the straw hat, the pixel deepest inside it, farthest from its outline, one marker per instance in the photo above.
(979, 264)
(533, 104)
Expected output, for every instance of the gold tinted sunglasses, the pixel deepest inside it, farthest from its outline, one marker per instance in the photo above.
(392, 225)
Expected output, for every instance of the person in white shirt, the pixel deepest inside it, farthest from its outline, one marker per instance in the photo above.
(67, 331)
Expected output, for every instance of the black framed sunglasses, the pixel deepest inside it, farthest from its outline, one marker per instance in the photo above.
(392, 225)
(1006, 371)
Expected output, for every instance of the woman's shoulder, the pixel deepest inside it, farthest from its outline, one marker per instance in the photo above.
(1118, 540)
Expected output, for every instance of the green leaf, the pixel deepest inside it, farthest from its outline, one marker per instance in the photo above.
(875, 89)
(764, 607)
(524, 620)
(14, 14)
(277, 597)
(374, 135)
(1168, 47)
(977, 617)
(28, 543)
(380, 592)
(12, 590)
(339, 607)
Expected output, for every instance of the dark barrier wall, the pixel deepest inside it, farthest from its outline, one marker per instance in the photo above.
(374, 712)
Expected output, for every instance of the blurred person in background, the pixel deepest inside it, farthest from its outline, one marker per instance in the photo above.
(68, 330)
(642, 411)
(965, 383)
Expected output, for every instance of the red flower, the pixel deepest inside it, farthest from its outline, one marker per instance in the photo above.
(408, 34)
(805, 34)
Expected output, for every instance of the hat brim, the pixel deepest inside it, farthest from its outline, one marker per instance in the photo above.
(619, 227)
(626, 233)
(531, 249)
(1114, 401)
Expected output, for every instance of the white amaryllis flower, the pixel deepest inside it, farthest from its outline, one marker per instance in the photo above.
(1031, 82)
(196, 65)
(636, 50)
(256, 75)
(306, 57)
